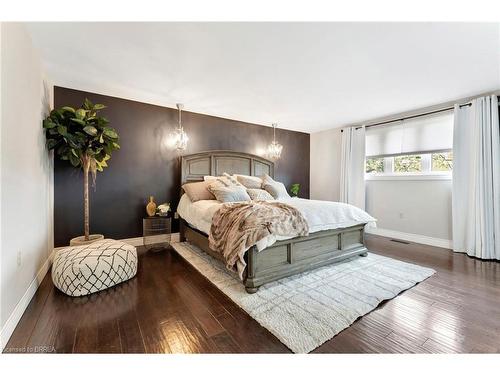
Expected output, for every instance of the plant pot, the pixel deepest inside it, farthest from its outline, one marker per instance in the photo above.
(78, 241)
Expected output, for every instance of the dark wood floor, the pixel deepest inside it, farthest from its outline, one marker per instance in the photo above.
(170, 308)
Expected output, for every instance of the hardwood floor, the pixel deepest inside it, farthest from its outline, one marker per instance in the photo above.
(170, 308)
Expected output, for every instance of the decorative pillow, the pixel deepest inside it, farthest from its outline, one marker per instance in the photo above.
(266, 179)
(275, 188)
(198, 191)
(226, 194)
(224, 180)
(209, 178)
(250, 182)
(259, 195)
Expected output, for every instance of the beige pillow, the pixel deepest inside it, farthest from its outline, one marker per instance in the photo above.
(224, 180)
(198, 191)
(259, 195)
(226, 194)
(250, 182)
(275, 188)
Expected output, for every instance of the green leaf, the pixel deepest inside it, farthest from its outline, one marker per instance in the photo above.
(51, 143)
(90, 130)
(75, 161)
(102, 121)
(62, 130)
(98, 107)
(110, 133)
(78, 121)
(116, 145)
(87, 104)
(68, 109)
(48, 124)
(80, 113)
(101, 140)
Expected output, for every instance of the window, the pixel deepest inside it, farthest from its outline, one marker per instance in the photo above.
(437, 163)
(415, 147)
(442, 162)
(408, 163)
(375, 165)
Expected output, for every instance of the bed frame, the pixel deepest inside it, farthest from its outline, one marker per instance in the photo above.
(284, 258)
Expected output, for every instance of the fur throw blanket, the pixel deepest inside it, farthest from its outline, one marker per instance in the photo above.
(236, 227)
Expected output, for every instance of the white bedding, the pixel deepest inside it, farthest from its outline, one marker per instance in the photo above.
(320, 215)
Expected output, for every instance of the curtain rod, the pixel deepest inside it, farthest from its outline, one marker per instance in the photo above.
(412, 116)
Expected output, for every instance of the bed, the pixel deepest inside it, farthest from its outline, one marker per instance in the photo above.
(285, 256)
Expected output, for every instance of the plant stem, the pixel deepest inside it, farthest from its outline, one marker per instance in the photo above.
(86, 167)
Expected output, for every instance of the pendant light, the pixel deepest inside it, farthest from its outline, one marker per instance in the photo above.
(179, 138)
(274, 149)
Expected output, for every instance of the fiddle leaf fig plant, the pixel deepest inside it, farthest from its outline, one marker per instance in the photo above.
(85, 140)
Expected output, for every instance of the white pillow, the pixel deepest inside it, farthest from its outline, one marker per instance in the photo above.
(226, 194)
(275, 188)
(259, 195)
(250, 182)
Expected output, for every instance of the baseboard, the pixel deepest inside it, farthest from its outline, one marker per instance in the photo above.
(417, 238)
(21, 306)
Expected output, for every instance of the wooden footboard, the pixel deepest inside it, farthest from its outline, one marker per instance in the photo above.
(290, 257)
(296, 255)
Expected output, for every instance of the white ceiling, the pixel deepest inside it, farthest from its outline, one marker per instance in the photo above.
(305, 76)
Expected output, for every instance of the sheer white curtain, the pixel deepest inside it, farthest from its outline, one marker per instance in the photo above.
(476, 179)
(352, 167)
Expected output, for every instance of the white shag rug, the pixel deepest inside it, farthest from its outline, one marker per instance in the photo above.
(305, 310)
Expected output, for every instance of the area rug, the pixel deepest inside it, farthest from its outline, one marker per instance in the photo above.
(305, 310)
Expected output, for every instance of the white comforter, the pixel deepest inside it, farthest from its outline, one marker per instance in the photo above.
(320, 215)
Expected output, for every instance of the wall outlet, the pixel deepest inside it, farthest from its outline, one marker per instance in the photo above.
(176, 215)
(19, 258)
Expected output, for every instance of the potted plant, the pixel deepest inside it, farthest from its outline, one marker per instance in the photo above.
(86, 141)
(294, 189)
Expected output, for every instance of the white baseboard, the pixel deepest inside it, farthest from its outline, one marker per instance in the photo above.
(21, 306)
(417, 238)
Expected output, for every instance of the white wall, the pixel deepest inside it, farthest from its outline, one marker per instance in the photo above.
(420, 207)
(26, 175)
(325, 165)
(425, 205)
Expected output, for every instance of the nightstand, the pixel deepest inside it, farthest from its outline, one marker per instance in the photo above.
(156, 232)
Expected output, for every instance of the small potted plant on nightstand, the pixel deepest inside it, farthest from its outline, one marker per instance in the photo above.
(294, 189)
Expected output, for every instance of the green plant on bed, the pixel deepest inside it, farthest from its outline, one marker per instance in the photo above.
(294, 189)
(85, 140)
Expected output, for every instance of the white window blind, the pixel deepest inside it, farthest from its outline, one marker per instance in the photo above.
(419, 135)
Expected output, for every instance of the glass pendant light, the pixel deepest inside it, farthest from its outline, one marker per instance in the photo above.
(179, 138)
(274, 149)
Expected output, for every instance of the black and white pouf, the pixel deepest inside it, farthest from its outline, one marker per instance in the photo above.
(81, 270)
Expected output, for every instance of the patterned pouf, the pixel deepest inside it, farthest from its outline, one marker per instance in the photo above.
(81, 270)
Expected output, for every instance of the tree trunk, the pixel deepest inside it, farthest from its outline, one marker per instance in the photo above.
(86, 168)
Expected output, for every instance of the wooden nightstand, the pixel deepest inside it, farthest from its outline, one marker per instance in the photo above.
(156, 232)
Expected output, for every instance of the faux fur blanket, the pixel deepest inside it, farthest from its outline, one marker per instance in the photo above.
(236, 227)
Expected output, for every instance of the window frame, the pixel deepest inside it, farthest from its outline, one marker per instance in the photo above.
(425, 174)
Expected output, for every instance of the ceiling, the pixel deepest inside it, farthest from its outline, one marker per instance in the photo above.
(304, 76)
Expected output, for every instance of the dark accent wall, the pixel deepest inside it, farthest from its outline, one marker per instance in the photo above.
(144, 165)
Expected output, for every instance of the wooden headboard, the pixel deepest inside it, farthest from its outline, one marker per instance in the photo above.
(215, 163)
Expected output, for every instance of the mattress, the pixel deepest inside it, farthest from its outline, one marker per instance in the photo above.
(320, 215)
